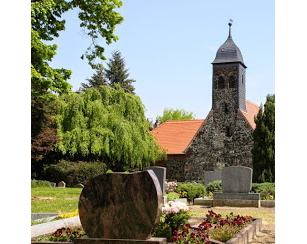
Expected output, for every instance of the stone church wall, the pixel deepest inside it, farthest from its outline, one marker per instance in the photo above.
(211, 148)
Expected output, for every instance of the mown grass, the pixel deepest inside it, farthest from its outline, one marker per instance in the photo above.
(64, 199)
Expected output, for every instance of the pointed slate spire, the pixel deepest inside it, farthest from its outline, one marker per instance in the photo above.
(229, 52)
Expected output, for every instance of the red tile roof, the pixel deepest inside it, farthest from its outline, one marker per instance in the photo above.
(251, 111)
(175, 136)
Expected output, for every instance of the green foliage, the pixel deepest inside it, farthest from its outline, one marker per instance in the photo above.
(109, 171)
(44, 26)
(264, 143)
(115, 75)
(98, 20)
(169, 222)
(172, 195)
(107, 125)
(224, 233)
(175, 114)
(214, 186)
(192, 190)
(163, 230)
(63, 235)
(73, 173)
(40, 183)
(265, 189)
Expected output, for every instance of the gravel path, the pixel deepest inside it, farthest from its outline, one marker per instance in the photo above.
(267, 234)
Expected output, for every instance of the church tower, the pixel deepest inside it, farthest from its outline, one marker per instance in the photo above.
(225, 137)
(228, 86)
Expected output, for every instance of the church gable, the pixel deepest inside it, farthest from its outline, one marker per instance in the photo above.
(216, 145)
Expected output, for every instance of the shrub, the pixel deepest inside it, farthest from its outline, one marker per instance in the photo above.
(174, 214)
(223, 233)
(40, 183)
(73, 172)
(171, 187)
(192, 190)
(266, 190)
(172, 195)
(214, 186)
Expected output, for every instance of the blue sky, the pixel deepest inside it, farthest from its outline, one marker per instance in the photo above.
(169, 46)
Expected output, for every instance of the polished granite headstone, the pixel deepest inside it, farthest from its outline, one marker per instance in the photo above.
(120, 206)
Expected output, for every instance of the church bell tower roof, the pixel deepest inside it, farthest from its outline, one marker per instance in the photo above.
(229, 52)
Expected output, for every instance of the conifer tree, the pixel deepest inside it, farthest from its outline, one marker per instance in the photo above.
(98, 79)
(264, 143)
(117, 74)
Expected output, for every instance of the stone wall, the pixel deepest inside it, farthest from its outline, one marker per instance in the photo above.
(211, 148)
(175, 167)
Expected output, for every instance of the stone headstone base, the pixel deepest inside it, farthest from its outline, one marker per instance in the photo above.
(236, 199)
(152, 240)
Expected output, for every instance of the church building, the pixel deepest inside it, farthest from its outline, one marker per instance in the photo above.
(224, 136)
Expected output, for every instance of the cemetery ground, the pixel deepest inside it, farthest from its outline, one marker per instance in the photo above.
(53, 200)
(267, 234)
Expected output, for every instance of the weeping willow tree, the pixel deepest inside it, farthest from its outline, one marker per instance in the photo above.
(107, 125)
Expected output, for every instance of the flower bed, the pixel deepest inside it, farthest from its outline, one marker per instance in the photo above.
(214, 227)
(174, 226)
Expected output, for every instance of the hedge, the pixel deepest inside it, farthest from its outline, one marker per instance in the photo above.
(73, 173)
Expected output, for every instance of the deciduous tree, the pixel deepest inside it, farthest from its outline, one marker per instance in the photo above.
(107, 125)
(175, 114)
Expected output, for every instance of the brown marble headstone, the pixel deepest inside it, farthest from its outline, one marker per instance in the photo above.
(121, 205)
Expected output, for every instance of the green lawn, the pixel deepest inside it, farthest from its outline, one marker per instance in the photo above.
(63, 199)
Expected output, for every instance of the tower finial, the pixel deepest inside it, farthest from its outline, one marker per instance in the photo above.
(230, 24)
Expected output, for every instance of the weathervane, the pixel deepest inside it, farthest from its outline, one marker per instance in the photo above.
(230, 23)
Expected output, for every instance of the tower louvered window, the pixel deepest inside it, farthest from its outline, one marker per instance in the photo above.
(221, 83)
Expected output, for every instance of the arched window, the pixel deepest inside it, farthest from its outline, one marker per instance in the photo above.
(221, 83)
(232, 82)
(225, 108)
(228, 132)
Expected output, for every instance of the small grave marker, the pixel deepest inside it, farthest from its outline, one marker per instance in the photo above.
(61, 184)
